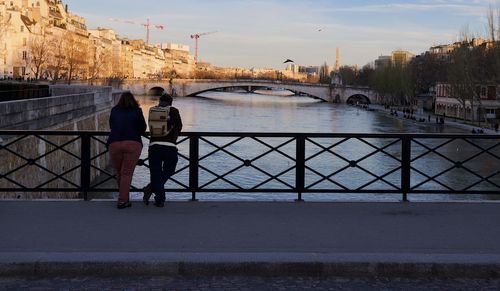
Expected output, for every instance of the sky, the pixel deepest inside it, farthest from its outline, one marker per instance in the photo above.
(264, 33)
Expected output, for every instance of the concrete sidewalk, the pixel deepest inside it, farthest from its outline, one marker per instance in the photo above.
(449, 121)
(250, 238)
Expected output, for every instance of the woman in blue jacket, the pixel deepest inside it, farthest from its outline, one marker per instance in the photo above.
(125, 144)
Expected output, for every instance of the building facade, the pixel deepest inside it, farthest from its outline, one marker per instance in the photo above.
(383, 62)
(401, 57)
(483, 107)
(73, 51)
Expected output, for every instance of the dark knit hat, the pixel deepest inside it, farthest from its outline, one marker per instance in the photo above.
(166, 98)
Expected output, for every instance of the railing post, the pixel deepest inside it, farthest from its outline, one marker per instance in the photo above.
(194, 145)
(85, 166)
(406, 167)
(300, 163)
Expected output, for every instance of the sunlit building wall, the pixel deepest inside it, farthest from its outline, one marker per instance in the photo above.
(21, 18)
(401, 57)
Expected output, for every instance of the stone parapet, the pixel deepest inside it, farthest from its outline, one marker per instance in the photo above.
(71, 108)
(67, 104)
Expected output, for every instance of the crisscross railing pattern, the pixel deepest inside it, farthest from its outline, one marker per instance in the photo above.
(76, 162)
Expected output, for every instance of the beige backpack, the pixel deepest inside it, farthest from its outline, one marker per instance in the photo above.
(159, 121)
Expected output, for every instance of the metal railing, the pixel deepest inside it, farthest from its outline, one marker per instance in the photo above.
(401, 164)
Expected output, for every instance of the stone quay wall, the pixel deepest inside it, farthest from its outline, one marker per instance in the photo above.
(70, 108)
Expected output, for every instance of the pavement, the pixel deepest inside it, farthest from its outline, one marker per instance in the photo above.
(457, 123)
(77, 238)
(233, 283)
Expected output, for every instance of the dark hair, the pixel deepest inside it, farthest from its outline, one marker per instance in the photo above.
(127, 100)
(166, 98)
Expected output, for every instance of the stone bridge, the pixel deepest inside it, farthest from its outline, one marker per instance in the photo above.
(334, 94)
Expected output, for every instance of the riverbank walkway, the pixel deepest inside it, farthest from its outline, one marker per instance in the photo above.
(77, 238)
(457, 123)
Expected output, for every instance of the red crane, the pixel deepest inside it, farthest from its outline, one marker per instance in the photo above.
(196, 36)
(147, 25)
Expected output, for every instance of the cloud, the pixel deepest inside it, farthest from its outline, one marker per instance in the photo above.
(454, 7)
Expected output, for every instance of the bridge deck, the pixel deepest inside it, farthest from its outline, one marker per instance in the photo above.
(42, 234)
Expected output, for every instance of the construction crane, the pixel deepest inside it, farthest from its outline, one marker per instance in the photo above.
(147, 25)
(196, 36)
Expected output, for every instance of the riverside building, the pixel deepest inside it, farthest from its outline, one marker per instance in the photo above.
(70, 50)
(486, 108)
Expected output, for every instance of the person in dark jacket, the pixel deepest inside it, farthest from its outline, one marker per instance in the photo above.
(125, 144)
(163, 155)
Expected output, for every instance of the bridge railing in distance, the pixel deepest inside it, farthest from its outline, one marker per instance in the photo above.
(75, 162)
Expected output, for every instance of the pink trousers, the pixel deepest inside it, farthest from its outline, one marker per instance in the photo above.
(124, 156)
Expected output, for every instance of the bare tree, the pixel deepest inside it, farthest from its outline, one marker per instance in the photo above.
(324, 74)
(38, 54)
(56, 58)
(100, 59)
(492, 30)
(75, 52)
(117, 69)
(464, 72)
(461, 78)
(493, 53)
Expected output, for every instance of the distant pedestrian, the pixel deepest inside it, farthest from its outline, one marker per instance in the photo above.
(163, 157)
(125, 144)
(496, 127)
(429, 118)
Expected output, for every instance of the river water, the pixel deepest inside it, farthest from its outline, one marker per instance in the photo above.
(244, 112)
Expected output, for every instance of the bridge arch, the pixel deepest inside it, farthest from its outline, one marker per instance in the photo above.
(193, 87)
(214, 89)
(251, 88)
(156, 91)
(358, 99)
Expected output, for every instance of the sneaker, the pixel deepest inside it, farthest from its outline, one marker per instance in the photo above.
(147, 194)
(159, 204)
(123, 205)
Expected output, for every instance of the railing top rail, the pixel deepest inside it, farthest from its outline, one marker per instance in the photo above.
(266, 134)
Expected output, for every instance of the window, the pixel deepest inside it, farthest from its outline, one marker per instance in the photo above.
(22, 28)
(25, 41)
(25, 55)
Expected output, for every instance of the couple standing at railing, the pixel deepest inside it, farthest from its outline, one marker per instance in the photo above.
(127, 125)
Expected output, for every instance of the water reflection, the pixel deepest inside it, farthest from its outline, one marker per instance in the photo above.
(242, 112)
